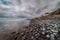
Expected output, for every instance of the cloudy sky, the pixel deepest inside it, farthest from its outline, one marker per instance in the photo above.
(27, 8)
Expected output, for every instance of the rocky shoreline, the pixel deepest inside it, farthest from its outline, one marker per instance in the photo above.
(33, 31)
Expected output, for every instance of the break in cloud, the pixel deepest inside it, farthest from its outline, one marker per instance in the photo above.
(27, 8)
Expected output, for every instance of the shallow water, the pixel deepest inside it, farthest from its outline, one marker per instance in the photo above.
(10, 23)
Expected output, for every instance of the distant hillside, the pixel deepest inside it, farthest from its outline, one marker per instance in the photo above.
(52, 15)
